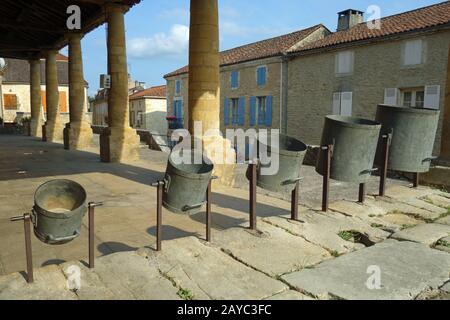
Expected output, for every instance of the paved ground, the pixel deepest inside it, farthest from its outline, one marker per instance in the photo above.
(395, 247)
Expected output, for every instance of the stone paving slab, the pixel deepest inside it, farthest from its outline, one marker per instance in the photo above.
(271, 250)
(354, 209)
(403, 275)
(393, 206)
(402, 192)
(207, 272)
(131, 276)
(439, 200)
(323, 229)
(427, 234)
(49, 284)
(290, 295)
(446, 287)
(445, 220)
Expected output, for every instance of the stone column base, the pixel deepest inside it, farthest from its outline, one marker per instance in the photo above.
(54, 131)
(80, 135)
(36, 128)
(124, 145)
(220, 152)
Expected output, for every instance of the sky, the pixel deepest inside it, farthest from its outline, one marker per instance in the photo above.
(158, 30)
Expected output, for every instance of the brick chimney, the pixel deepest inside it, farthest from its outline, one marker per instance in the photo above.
(349, 18)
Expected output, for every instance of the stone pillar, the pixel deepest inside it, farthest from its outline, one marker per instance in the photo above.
(123, 141)
(35, 98)
(445, 139)
(204, 84)
(79, 130)
(53, 125)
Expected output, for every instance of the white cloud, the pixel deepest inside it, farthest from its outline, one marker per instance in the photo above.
(175, 42)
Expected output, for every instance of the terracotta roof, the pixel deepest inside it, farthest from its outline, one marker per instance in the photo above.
(258, 50)
(159, 92)
(416, 20)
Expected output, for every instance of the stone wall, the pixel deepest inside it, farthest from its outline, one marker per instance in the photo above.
(247, 88)
(312, 82)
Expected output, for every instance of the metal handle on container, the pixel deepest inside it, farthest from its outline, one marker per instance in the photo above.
(51, 238)
(291, 181)
(195, 206)
(429, 159)
(369, 171)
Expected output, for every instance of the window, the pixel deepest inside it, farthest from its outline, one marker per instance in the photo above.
(177, 87)
(132, 119)
(413, 98)
(234, 79)
(234, 111)
(261, 111)
(178, 109)
(10, 101)
(261, 76)
(413, 52)
(344, 62)
(343, 103)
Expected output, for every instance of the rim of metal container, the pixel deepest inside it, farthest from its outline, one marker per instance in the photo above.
(59, 215)
(410, 110)
(177, 170)
(353, 122)
(303, 146)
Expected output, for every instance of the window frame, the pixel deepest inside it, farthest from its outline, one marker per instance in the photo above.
(237, 73)
(261, 121)
(177, 87)
(413, 92)
(266, 75)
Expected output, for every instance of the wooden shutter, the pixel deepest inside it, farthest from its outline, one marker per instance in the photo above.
(390, 96)
(347, 104)
(44, 101)
(226, 111)
(432, 97)
(413, 52)
(252, 111)
(10, 101)
(63, 102)
(336, 103)
(269, 102)
(241, 111)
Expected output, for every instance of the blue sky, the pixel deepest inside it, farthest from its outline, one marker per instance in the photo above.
(157, 30)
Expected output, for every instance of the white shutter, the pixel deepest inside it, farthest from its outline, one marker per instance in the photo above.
(432, 97)
(390, 96)
(413, 52)
(346, 104)
(336, 103)
(344, 62)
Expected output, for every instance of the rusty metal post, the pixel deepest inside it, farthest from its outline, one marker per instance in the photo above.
(253, 174)
(386, 141)
(159, 216)
(326, 177)
(91, 238)
(416, 180)
(26, 218)
(362, 193)
(28, 248)
(208, 213)
(44, 133)
(91, 211)
(294, 202)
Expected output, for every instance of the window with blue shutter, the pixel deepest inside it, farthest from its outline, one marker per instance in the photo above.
(261, 110)
(241, 111)
(261, 76)
(177, 87)
(252, 115)
(226, 112)
(234, 79)
(178, 112)
(268, 116)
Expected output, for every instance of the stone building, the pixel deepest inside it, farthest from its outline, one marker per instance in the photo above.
(148, 110)
(315, 72)
(251, 82)
(15, 89)
(351, 71)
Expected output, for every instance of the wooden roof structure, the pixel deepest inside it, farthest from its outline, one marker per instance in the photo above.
(28, 27)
